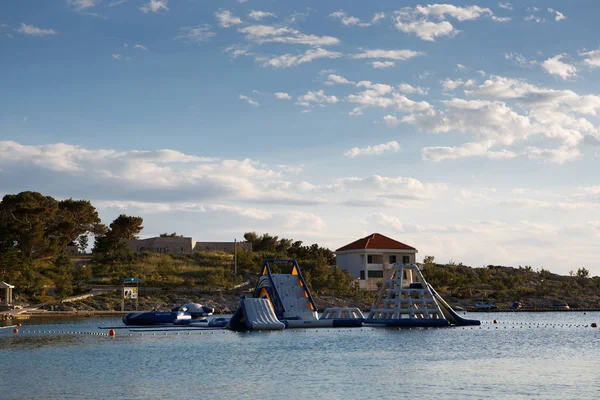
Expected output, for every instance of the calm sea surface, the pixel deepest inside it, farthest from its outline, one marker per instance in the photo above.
(525, 355)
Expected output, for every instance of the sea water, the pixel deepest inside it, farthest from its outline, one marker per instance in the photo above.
(524, 355)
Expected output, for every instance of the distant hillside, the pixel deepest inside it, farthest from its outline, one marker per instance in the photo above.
(464, 285)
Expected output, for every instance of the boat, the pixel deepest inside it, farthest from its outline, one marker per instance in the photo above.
(195, 310)
(156, 318)
(179, 315)
(561, 306)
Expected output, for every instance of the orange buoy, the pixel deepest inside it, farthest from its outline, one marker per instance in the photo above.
(15, 330)
(20, 324)
(594, 325)
(112, 332)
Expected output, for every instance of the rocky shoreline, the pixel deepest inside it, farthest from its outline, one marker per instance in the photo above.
(223, 303)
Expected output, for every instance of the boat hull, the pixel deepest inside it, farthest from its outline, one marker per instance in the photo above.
(152, 318)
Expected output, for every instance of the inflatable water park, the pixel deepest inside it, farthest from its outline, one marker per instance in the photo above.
(282, 300)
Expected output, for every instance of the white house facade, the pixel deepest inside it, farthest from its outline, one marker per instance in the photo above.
(368, 258)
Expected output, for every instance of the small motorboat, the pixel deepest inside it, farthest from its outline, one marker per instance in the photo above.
(195, 310)
(180, 315)
(156, 318)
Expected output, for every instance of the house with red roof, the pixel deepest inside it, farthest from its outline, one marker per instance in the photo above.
(366, 259)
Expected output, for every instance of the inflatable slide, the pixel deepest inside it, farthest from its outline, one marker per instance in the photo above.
(255, 314)
(449, 313)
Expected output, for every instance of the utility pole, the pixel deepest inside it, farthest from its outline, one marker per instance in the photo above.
(234, 257)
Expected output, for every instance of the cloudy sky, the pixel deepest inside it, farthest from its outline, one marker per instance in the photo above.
(468, 130)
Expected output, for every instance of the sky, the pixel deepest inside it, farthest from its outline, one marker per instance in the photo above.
(468, 130)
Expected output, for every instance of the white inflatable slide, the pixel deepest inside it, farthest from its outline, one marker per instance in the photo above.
(259, 315)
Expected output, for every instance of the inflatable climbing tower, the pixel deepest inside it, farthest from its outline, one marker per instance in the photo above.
(407, 300)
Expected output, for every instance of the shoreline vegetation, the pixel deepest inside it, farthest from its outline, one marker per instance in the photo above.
(36, 232)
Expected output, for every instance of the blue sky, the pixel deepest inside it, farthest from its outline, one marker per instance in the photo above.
(466, 129)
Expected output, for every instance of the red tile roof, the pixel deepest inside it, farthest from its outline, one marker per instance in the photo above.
(376, 241)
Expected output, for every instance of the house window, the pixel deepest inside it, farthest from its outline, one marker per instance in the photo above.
(362, 274)
(369, 259)
(375, 274)
(405, 259)
(392, 259)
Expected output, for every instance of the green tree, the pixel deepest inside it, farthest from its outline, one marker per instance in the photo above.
(82, 243)
(111, 247)
(582, 275)
(63, 278)
(174, 234)
(29, 224)
(76, 218)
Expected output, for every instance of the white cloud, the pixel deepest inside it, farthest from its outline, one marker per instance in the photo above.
(356, 111)
(506, 6)
(271, 34)
(318, 97)
(519, 59)
(558, 15)
(391, 121)
(249, 100)
(252, 213)
(117, 56)
(378, 17)
(155, 6)
(558, 118)
(140, 47)
(592, 58)
(288, 60)
(31, 30)
(348, 20)
(441, 11)
(259, 15)
(555, 66)
(409, 89)
(429, 22)
(387, 222)
(383, 64)
(535, 19)
(303, 220)
(400, 55)
(79, 5)
(559, 156)
(334, 79)
(384, 96)
(479, 149)
(383, 191)
(283, 96)
(160, 175)
(227, 19)
(425, 30)
(195, 34)
(389, 147)
(450, 84)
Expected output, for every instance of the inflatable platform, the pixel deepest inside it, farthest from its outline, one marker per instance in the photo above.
(290, 299)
